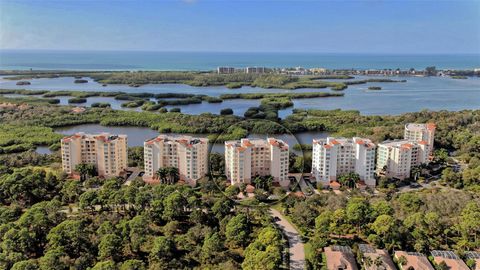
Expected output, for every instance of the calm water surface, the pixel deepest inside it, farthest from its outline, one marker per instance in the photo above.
(148, 60)
(418, 93)
(43, 150)
(137, 135)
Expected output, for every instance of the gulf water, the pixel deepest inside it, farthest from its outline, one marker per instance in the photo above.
(149, 60)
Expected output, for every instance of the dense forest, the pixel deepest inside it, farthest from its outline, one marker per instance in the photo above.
(50, 222)
(422, 221)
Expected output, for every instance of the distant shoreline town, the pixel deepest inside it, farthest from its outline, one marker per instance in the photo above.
(297, 70)
(428, 71)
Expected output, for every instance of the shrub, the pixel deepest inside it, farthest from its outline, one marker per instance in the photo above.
(80, 81)
(77, 100)
(226, 111)
(53, 101)
(100, 105)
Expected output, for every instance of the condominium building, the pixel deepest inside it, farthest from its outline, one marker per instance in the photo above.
(257, 70)
(107, 152)
(396, 158)
(333, 157)
(248, 158)
(189, 155)
(421, 133)
(225, 70)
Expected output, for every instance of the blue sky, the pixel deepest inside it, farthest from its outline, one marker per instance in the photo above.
(251, 26)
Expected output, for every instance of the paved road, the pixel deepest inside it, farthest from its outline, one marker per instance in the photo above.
(296, 248)
(135, 173)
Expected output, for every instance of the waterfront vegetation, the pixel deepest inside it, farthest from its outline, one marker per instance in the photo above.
(280, 95)
(77, 100)
(303, 147)
(202, 79)
(270, 102)
(100, 105)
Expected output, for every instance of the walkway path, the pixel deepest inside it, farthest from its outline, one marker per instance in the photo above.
(296, 248)
(133, 176)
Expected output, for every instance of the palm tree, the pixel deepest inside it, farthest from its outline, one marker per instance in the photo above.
(368, 261)
(402, 260)
(415, 172)
(349, 179)
(161, 174)
(173, 174)
(85, 170)
(378, 262)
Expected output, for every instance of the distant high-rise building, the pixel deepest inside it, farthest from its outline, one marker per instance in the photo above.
(421, 132)
(333, 157)
(107, 152)
(396, 158)
(248, 158)
(189, 155)
(256, 70)
(225, 70)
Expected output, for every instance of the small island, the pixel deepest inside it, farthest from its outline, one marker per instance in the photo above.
(77, 100)
(80, 81)
(374, 88)
(459, 77)
(23, 83)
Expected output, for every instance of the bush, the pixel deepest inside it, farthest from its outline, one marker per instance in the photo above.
(226, 111)
(53, 101)
(133, 104)
(151, 107)
(77, 100)
(80, 81)
(176, 110)
(101, 105)
(213, 99)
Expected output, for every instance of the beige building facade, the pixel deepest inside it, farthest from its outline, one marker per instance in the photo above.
(107, 152)
(396, 158)
(188, 154)
(421, 133)
(247, 158)
(332, 157)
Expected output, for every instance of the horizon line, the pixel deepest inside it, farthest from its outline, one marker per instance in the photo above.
(243, 52)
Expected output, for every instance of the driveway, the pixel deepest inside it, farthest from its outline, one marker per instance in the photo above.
(295, 245)
(135, 174)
